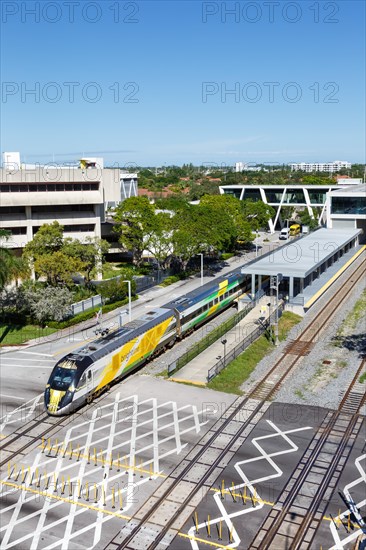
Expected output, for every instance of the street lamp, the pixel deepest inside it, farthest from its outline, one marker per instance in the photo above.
(129, 299)
(201, 254)
(224, 344)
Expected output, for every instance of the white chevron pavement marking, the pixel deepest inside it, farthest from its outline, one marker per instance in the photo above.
(227, 517)
(23, 509)
(25, 410)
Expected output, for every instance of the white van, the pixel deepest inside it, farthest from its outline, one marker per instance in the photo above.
(285, 233)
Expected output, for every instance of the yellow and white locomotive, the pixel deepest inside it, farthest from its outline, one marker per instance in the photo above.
(83, 374)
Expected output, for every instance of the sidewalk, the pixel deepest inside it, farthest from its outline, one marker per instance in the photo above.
(195, 372)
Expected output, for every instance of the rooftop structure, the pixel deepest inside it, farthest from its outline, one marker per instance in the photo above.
(74, 197)
(346, 208)
(77, 196)
(311, 197)
(304, 259)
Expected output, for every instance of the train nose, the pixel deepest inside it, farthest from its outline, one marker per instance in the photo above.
(54, 400)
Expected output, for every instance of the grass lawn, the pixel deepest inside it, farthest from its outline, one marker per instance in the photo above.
(113, 269)
(358, 312)
(15, 335)
(232, 377)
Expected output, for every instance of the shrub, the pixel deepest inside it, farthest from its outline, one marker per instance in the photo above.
(85, 315)
(49, 303)
(170, 280)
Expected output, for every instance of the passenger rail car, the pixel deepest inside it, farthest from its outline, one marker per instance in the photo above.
(83, 374)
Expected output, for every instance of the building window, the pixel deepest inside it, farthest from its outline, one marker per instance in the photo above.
(63, 208)
(273, 196)
(16, 230)
(12, 210)
(87, 228)
(35, 187)
(252, 194)
(317, 197)
(348, 205)
(233, 192)
(294, 196)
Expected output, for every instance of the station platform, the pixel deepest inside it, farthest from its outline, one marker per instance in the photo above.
(196, 371)
(305, 264)
(316, 289)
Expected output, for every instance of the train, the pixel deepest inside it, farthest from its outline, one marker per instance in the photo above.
(82, 375)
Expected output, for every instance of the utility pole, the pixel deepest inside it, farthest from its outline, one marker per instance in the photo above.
(274, 284)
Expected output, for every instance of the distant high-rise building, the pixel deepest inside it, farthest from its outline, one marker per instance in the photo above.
(321, 166)
(248, 167)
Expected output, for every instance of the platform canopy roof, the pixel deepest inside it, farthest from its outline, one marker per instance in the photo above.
(301, 256)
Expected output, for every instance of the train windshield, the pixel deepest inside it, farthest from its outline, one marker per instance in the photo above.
(61, 378)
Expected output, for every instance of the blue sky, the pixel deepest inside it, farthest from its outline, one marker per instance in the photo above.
(151, 81)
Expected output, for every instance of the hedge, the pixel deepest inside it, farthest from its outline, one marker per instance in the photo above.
(85, 315)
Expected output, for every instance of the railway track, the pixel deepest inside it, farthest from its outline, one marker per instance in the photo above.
(33, 432)
(302, 504)
(153, 525)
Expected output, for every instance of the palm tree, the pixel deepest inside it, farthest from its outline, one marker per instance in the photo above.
(10, 265)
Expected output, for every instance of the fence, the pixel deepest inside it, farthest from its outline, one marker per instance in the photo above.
(233, 354)
(84, 305)
(208, 340)
(142, 282)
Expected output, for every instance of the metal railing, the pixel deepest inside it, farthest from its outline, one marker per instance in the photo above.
(235, 352)
(85, 305)
(208, 340)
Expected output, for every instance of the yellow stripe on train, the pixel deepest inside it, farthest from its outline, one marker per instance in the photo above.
(127, 355)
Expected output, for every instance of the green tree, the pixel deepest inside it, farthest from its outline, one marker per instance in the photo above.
(91, 253)
(48, 239)
(257, 213)
(196, 230)
(227, 215)
(160, 241)
(287, 213)
(134, 219)
(306, 219)
(115, 290)
(57, 267)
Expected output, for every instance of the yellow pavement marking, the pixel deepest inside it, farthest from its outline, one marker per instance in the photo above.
(184, 381)
(67, 500)
(240, 496)
(2, 436)
(204, 541)
(332, 279)
(117, 464)
(257, 499)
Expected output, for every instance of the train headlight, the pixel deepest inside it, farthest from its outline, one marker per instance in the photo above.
(71, 388)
